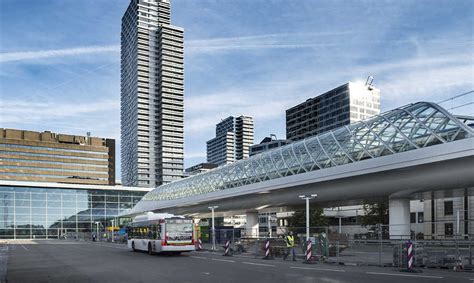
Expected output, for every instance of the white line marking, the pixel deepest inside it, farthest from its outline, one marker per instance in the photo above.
(24, 247)
(259, 264)
(318, 269)
(200, 257)
(225, 260)
(407, 275)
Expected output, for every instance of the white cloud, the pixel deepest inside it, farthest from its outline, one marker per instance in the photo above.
(43, 54)
(62, 117)
(263, 41)
(15, 110)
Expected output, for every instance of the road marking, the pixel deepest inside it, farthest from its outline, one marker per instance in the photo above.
(225, 260)
(407, 275)
(200, 257)
(24, 247)
(259, 264)
(318, 269)
(109, 246)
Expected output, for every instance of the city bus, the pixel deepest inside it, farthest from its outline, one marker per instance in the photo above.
(161, 233)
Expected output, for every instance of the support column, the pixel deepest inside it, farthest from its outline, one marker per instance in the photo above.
(399, 218)
(251, 225)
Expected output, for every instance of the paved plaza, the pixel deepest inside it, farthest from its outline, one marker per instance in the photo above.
(74, 261)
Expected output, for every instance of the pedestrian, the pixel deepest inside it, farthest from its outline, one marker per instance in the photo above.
(290, 246)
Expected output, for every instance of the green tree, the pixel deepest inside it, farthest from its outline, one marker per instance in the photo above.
(375, 212)
(316, 218)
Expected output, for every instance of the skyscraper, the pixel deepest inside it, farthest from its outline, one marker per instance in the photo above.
(234, 136)
(346, 104)
(152, 93)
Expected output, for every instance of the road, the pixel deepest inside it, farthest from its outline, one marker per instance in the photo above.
(70, 261)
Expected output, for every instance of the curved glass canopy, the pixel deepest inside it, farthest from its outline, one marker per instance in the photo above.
(403, 129)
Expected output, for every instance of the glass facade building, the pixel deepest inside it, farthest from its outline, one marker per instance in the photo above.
(403, 129)
(338, 107)
(48, 210)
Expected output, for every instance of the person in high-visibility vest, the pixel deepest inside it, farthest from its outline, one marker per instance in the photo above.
(290, 246)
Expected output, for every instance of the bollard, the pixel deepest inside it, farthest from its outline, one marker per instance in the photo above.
(309, 251)
(199, 245)
(227, 248)
(267, 249)
(410, 258)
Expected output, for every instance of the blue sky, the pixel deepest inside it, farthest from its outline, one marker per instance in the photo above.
(60, 60)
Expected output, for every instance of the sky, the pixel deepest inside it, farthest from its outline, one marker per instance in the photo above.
(60, 60)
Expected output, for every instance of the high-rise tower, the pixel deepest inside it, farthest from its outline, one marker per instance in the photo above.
(152, 92)
(234, 136)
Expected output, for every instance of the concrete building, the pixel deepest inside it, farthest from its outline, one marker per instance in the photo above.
(40, 210)
(60, 158)
(152, 93)
(344, 105)
(266, 144)
(199, 168)
(234, 136)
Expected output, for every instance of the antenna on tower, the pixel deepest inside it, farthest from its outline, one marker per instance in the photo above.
(369, 82)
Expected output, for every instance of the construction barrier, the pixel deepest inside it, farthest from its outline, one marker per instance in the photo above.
(199, 245)
(410, 259)
(309, 251)
(267, 249)
(227, 248)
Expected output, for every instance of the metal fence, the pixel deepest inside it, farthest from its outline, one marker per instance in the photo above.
(374, 247)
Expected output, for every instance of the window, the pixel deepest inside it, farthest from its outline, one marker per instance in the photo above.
(448, 229)
(421, 217)
(413, 217)
(448, 207)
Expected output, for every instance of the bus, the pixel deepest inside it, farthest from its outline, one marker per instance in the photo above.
(161, 233)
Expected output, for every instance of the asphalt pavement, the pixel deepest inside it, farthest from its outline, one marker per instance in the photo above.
(72, 261)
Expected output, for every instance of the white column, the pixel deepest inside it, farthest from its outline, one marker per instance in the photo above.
(399, 218)
(251, 225)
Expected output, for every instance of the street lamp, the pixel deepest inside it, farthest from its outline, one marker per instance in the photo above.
(113, 229)
(213, 227)
(97, 229)
(307, 198)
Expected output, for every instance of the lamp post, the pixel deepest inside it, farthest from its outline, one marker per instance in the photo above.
(307, 198)
(97, 230)
(213, 227)
(113, 229)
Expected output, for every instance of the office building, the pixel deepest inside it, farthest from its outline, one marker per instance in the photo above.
(60, 158)
(234, 136)
(266, 144)
(199, 168)
(41, 210)
(346, 104)
(152, 93)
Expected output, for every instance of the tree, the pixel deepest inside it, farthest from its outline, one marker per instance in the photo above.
(316, 218)
(375, 212)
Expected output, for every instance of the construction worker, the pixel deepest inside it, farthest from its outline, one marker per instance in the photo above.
(290, 246)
